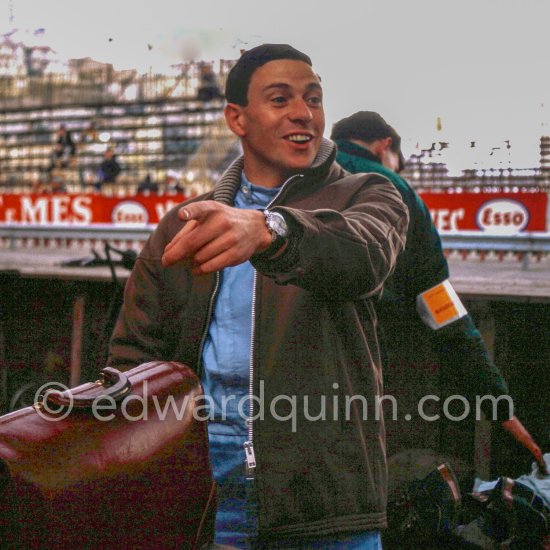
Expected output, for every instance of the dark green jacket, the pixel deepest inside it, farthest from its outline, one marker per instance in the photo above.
(458, 347)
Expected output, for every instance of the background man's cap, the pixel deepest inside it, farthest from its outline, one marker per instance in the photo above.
(367, 126)
(238, 79)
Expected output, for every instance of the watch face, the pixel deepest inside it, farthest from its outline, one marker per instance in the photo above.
(277, 224)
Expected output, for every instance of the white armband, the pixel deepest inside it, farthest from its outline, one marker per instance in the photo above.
(440, 305)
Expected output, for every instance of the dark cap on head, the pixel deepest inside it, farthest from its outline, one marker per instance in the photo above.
(368, 126)
(238, 79)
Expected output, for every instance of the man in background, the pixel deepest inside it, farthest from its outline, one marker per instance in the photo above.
(410, 324)
(64, 149)
(108, 171)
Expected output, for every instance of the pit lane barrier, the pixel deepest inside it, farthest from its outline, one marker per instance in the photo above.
(13, 236)
(522, 246)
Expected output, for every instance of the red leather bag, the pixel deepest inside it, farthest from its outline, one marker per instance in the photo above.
(122, 463)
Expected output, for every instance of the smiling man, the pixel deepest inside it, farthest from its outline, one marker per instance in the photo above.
(263, 286)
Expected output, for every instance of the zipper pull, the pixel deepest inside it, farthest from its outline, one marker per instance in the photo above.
(250, 459)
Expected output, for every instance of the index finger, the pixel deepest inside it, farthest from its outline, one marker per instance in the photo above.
(177, 248)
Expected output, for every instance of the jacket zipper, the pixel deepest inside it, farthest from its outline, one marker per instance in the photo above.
(249, 443)
(207, 324)
(250, 457)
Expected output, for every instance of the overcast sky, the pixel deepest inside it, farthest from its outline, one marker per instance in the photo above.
(481, 65)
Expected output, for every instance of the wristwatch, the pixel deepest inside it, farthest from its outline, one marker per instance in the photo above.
(278, 227)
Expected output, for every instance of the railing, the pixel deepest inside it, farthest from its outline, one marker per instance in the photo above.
(64, 235)
(523, 245)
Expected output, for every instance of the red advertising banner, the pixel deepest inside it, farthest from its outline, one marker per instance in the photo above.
(496, 213)
(85, 209)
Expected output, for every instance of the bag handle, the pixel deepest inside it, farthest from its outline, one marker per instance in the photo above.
(112, 384)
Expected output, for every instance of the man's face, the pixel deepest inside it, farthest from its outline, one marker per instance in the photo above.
(282, 126)
(390, 159)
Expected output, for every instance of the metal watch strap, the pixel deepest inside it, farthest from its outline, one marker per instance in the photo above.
(277, 242)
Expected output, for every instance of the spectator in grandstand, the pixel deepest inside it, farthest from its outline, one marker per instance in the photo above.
(208, 87)
(109, 169)
(64, 149)
(147, 186)
(367, 143)
(263, 286)
(90, 134)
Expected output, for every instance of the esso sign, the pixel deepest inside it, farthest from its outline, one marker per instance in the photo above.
(129, 213)
(502, 217)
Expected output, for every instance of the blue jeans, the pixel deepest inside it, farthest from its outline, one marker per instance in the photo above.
(369, 540)
(366, 541)
(236, 516)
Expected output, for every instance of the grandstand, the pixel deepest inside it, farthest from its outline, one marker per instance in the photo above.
(427, 170)
(157, 126)
(155, 123)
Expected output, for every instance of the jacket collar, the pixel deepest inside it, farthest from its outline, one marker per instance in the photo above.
(227, 186)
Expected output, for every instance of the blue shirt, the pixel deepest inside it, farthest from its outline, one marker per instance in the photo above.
(225, 377)
(226, 353)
